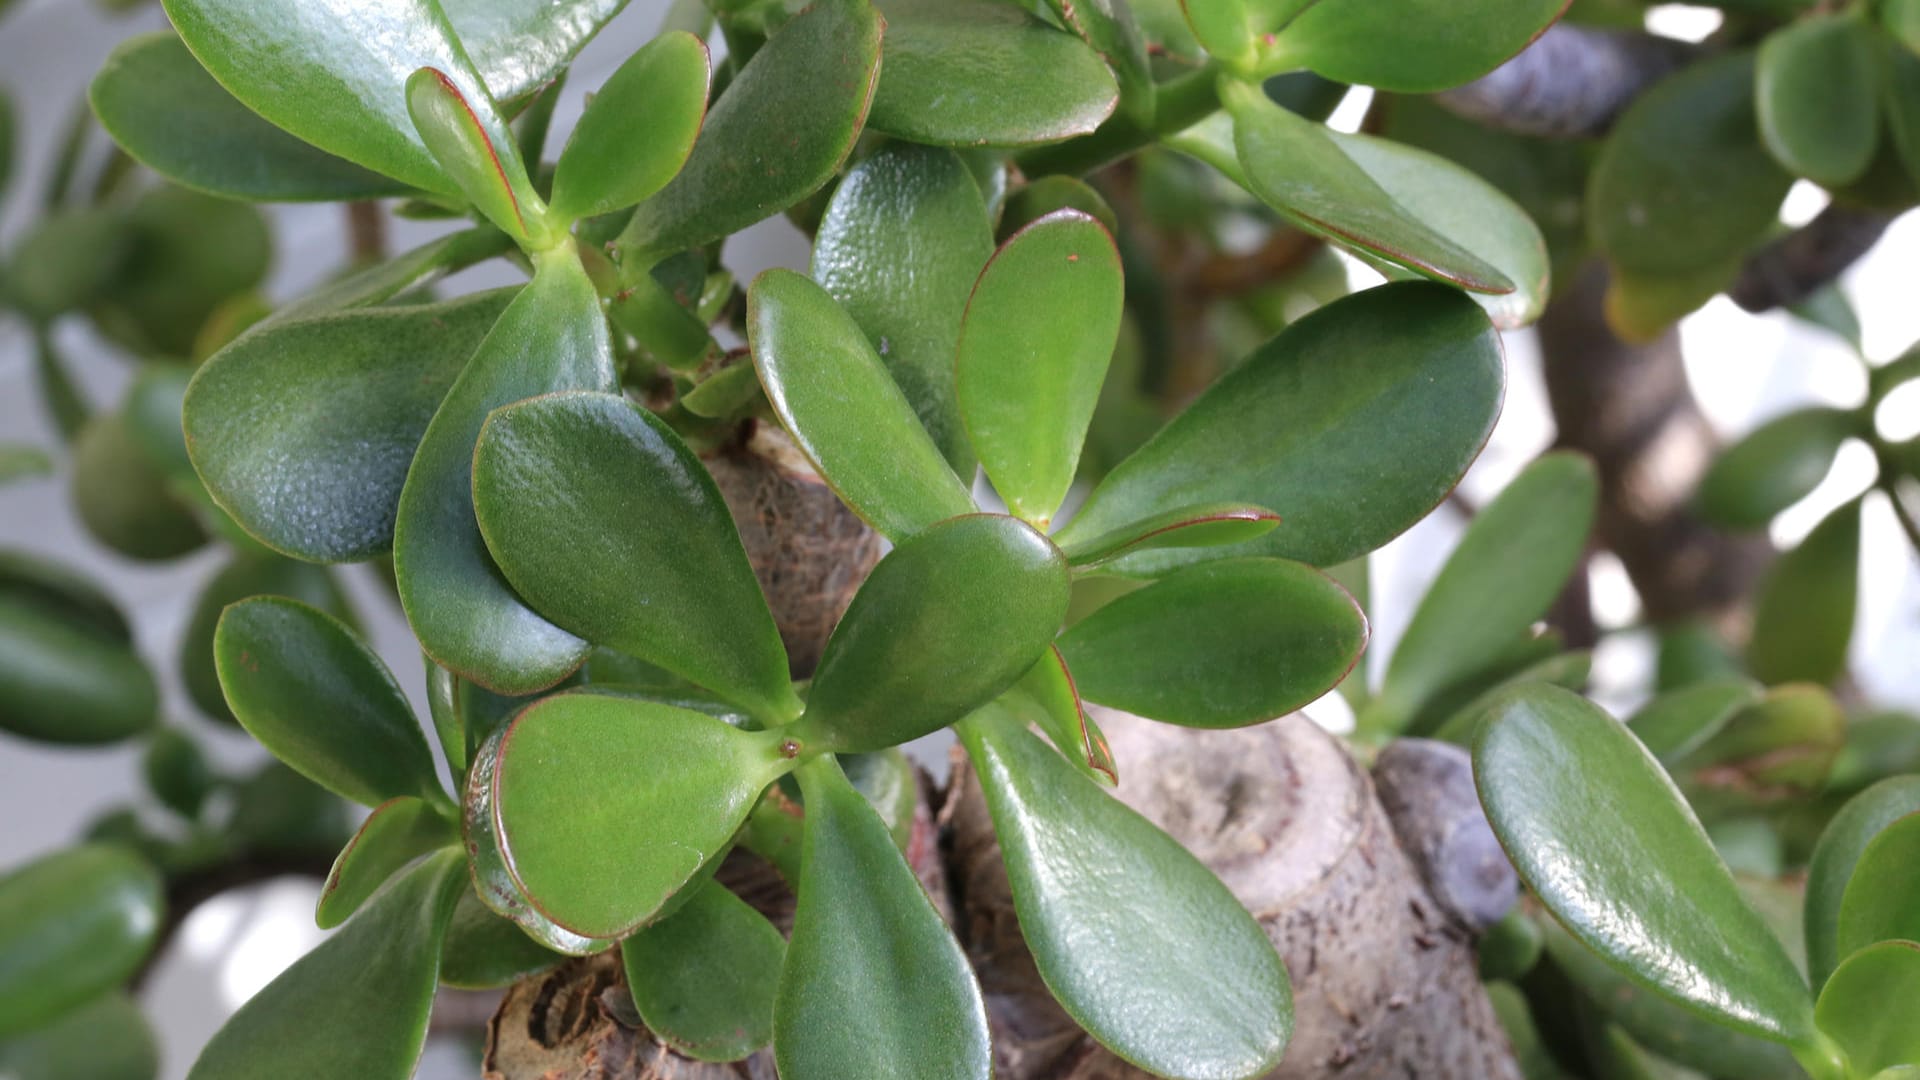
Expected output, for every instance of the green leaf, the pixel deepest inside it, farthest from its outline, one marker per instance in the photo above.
(247, 574)
(981, 73)
(357, 1005)
(410, 272)
(606, 523)
(1511, 562)
(670, 788)
(1190, 526)
(62, 591)
(67, 259)
(1818, 98)
(637, 131)
(874, 984)
(1683, 183)
(1027, 379)
(177, 772)
(73, 925)
(477, 150)
(1775, 749)
(1037, 198)
(1139, 941)
(1221, 27)
(1878, 904)
(947, 621)
(1864, 1007)
(1108, 26)
(1648, 892)
(190, 255)
(163, 108)
(1047, 698)
(1415, 46)
(396, 833)
(1569, 670)
(844, 411)
(334, 72)
(1900, 100)
(704, 978)
(519, 47)
(780, 131)
(1902, 20)
(124, 499)
(1803, 615)
(1835, 857)
(1223, 644)
(1294, 165)
(484, 951)
(1772, 467)
(315, 695)
(1675, 723)
(1349, 454)
(64, 678)
(552, 337)
(303, 430)
(902, 243)
(106, 1039)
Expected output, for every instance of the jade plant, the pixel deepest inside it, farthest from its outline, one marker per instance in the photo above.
(1039, 449)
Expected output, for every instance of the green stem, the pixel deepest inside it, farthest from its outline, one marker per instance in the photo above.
(1824, 1060)
(1179, 104)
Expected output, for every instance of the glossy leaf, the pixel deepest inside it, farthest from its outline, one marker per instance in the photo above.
(63, 591)
(704, 978)
(1349, 455)
(1836, 856)
(313, 693)
(411, 271)
(1294, 165)
(780, 131)
(1569, 670)
(334, 73)
(163, 108)
(123, 498)
(552, 337)
(519, 47)
(1864, 1008)
(484, 951)
(1223, 644)
(357, 1004)
(980, 73)
(1028, 379)
(1648, 893)
(73, 925)
(396, 833)
(303, 430)
(1415, 46)
(1189, 526)
(1878, 904)
(844, 411)
(1675, 723)
(1512, 561)
(1772, 467)
(874, 983)
(249, 574)
(1221, 27)
(66, 679)
(1047, 698)
(947, 621)
(672, 787)
(1037, 198)
(476, 150)
(1803, 615)
(105, 1039)
(1137, 939)
(902, 243)
(637, 131)
(1109, 26)
(1775, 749)
(1683, 184)
(1817, 97)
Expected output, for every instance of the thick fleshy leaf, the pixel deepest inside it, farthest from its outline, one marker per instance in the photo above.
(1773, 750)
(1818, 96)
(1189, 526)
(1026, 377)
(552, 337)
(334, 72)
(484, 951)
(1675, 723)
(1803, 616)
(1683, 183)
(778, 133)
(1865, 1008)
(1569, 670)
(844, 411)
(1879, 901)
(1648, 893)
(980, 73)
(704, 978)
(672, 787)
(1836, 856)
(1037, 198)
(606, 523)
(1295, 166)
(177, 772)
(255, 573)
(1047, 698)
(1902, 20)
(476, 150)
(1414, 46)
(1348, 454)
(946, 622)
(637, 131)
(357, 1005)
(191, 254)
(73, 925)
(901, 245)
(303, 430)
(123, 498)
(313, 693)
(163, 108)
(63, 591)
(1510, 564)
(413, 270)
(519, 47)
(105, 1039)
(1109, 26)
(64, 678)
(874, 983)
(1772, 467)
(1139, 941)
(1223, 644)
(396, 833)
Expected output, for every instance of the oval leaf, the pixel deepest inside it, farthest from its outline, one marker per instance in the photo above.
(124, 499)
(1803, 615)
(1818, 97)
(65, 679)
(315, 695)
(945, 623)
(106, 1039)
(519, 47)
(477, 151)
(874, 983)
(1864, 1008)
(637, 131)
(1675, 723)
(1648, 893)
(1774, 466)
(72, 926)
(1879, 902)
(1414, 46)
(1776, 749)
(844, 411)
(1047, 698)
(1837, 854)
(249, 574)
(396, 833)
(1027, 378)
(704, 978)
(1169, 972)
(1348, 454)
(1108, 26)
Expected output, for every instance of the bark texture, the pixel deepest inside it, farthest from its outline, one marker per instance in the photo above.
(1809, 258)
(1572, 81)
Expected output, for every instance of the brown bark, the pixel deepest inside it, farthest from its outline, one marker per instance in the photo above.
(1572, 81)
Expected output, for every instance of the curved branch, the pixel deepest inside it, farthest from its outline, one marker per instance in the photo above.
(1809, 258)
(1573, 81)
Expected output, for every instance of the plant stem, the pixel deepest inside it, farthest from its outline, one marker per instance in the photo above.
(1179, 104)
